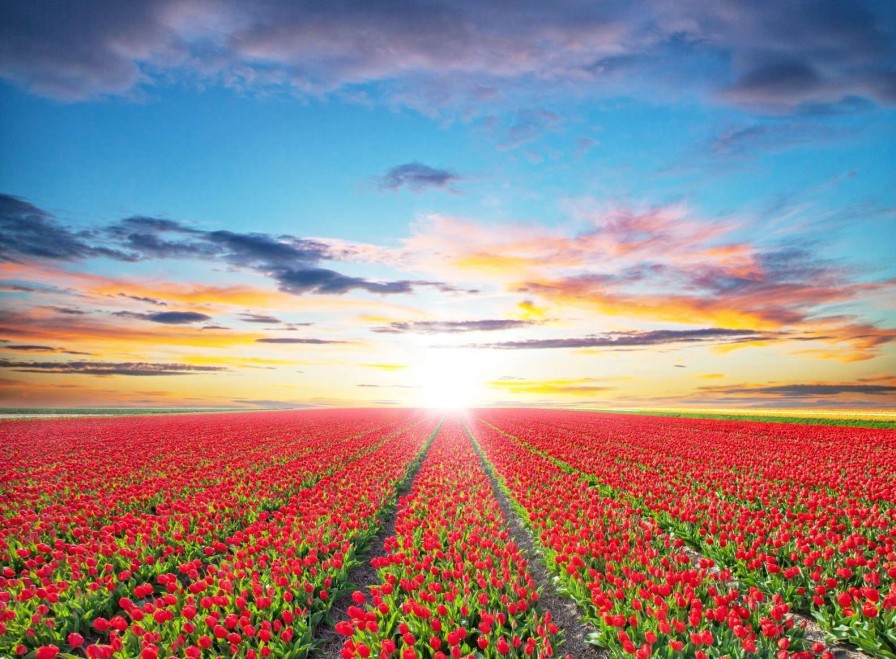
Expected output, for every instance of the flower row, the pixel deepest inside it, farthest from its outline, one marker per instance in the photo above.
(635, 584)
(761, 500)
(452, 581)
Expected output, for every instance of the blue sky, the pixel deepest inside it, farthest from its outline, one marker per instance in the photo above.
(558, 168)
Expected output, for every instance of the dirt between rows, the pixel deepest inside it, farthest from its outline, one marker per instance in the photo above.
(564, 610)
(328, 642)
(813, 631)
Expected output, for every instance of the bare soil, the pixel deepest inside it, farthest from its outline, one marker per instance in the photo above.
(564, 610)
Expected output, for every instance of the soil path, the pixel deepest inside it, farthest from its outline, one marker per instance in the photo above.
(564, 610)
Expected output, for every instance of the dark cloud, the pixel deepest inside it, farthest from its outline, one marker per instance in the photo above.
(27, 232)
(31, 233)
(417, 177)
(452, 326)
(42, 348)
(775, 78)
(330, 282)
(68, 311)
(805, 390)
(18, 288)
(166, 317)
(150, 237)
(178, 317)
(142, 298)
(107, 368)
(771, 55)
(290, 261)
(301, 341)
(632, 339)
(259, 318)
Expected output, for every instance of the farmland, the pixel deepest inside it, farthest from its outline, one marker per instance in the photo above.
(411, 533)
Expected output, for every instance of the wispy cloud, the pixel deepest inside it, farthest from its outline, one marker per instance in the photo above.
(417, 177)
(108, 368)
(800, 390)
(662, 264)
(290, 340)
(25, 347)
(631, 339)
(452, 326)
(166, 317)
(259, 318)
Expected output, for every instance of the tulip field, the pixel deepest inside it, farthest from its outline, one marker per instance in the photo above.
(412, 533)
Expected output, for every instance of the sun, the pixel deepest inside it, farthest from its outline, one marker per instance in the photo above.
(449, 379)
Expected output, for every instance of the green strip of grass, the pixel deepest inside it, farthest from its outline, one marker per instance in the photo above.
(848, 422)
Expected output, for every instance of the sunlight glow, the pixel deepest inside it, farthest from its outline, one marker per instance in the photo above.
(449, 379)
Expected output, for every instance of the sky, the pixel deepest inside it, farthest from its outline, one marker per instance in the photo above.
(281, 204)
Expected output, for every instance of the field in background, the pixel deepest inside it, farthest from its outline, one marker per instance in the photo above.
(854, 418)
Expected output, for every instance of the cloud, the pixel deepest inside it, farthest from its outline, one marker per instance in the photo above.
(259, 318)
(417, 177)
(813, 390)
(766, 137)
(661, 264)
(141, 298)
(166, 317)
(107, 368)
(68, 311)
(329, 282)
(451, 326)
(30, 233)
(825, 389)
(632, 339)
(287, 340)
(27, 232)
(177, 317)
(91, 331)
(292, 262)
(41, 348)
(772, 56)
(18, 288)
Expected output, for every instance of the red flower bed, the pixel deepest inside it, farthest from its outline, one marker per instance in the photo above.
(635, 583)
(804, 513)
(53, 588)
(453, 583)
